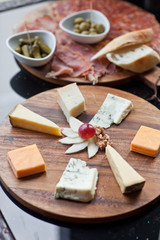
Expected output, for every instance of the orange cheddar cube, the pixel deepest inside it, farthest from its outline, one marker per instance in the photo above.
(26, 161)
(146, 141)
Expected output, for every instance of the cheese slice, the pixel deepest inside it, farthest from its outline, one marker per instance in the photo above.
(22, 117)
(71, 100)
(113, 110)
(26, 161)
(128, 179)
(78, 182)
(146, 141)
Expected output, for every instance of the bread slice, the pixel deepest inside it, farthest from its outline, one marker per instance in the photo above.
(138, 58)
(132, 38)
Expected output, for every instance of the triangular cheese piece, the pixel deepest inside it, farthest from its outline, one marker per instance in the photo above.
(22, 117)
(128, 179)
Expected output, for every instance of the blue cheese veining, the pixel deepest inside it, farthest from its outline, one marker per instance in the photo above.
(78, 182)
(113, 110)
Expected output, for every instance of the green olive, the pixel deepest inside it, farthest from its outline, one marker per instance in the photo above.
(18, 49)
(93, 25)
(85, 32)
(23, 41)
(84, 26)
(42, 45)
(99, 28)
(77, 30)
(92, 30)
(25, 50)
(76, 26)
(92, 33)
(88, 20)
(36, 50)
(78, 20)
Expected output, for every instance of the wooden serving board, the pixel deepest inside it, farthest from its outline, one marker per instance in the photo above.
(37, 192)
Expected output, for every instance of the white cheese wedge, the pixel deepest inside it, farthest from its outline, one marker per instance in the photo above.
(22, 117)
(128, 179)
(92, 147)
(71, 100)
(78, 182)
(113, 110)
(77, 147)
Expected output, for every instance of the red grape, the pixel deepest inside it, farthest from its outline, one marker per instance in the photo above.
(86, 131)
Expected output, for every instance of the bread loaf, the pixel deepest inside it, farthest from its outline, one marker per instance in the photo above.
(137, 58)
(132, 38)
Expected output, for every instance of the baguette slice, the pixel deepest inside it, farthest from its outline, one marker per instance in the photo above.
(138, 58)
(132, 38)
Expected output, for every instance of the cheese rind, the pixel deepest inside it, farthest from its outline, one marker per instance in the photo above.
(26, 161)
(146, 141)
(128, 179)
(22, 117)
(71, 100)
(78, 182)
(113, 110)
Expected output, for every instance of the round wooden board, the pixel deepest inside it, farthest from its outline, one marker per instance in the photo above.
(114, 79)
(37, 192)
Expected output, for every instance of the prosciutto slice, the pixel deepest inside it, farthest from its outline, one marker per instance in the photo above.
(59, 68)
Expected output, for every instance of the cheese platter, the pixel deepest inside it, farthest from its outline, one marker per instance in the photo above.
(37, 192)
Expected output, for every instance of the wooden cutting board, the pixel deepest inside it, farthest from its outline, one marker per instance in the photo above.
(37, 192)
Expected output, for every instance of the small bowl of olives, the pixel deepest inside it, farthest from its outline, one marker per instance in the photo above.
(87, 26)
(34, 48)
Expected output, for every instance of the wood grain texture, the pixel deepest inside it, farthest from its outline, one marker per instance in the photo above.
(37, 192)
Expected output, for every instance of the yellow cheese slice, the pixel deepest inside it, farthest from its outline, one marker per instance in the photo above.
(22, 117)
(26, 161)
(146, 141)
(128, 179)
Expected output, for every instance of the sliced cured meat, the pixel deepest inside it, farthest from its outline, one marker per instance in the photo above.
(59, 69)
(73, 59)
(45, 22)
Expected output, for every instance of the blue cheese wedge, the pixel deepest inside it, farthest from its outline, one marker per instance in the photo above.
(128, 179)
(113, 110)
(71, 100)
(78, 182)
